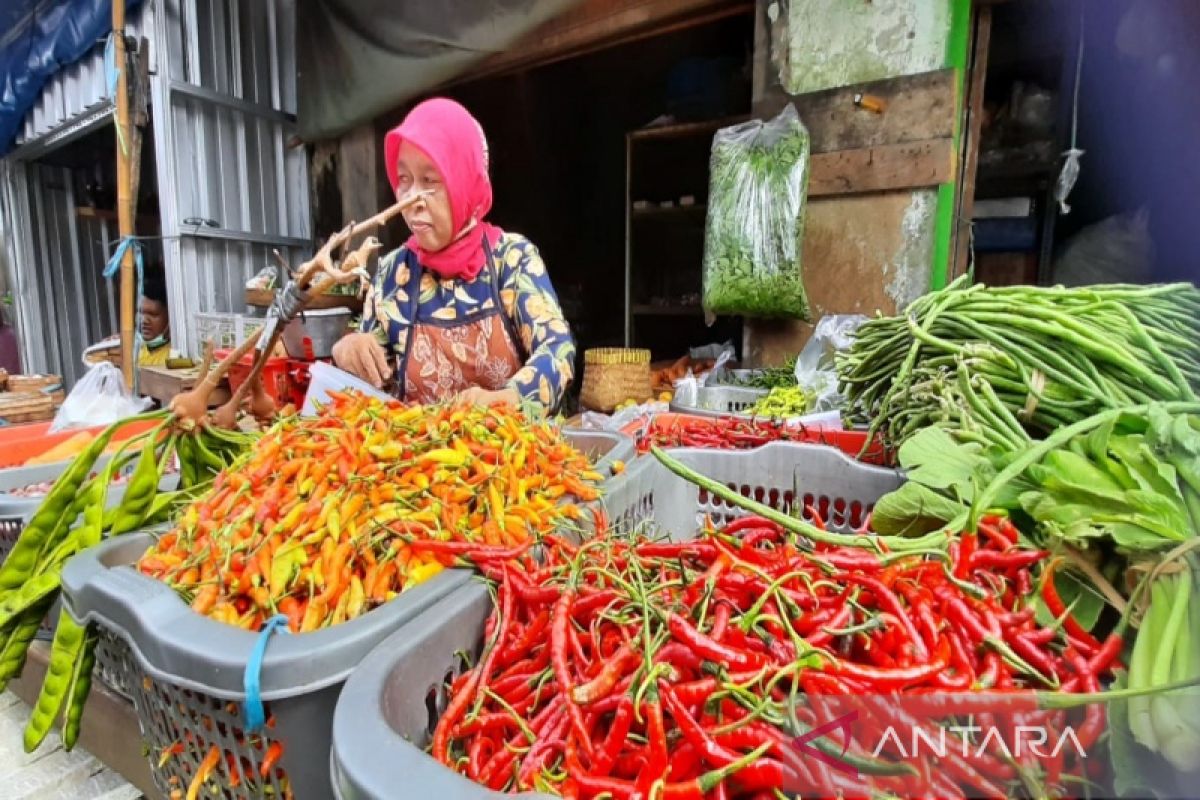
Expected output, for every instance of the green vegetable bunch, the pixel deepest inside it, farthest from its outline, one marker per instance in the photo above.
(1035, 359)
(784, 402)
(769, 377)
(757, 184)
(1119, 494)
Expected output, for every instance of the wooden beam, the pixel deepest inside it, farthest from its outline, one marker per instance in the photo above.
(970, 155)
(912, 165)
(910, 108)
(596, 24)
(358, 175)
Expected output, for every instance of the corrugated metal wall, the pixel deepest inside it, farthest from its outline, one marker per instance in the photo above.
(76, 92)
(224, 110)
(65, 302)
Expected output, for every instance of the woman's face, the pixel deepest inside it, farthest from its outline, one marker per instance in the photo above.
(429, 219)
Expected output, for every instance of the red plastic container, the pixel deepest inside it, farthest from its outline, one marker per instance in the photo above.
(285, 379)
(849, 442)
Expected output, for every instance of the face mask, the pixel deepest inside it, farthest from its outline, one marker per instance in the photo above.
(157, 342)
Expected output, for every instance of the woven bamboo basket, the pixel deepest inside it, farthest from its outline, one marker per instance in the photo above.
(3, 380)
(612, 375)
(18, 407)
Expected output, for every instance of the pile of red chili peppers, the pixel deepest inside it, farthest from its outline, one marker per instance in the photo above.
(654, 670)
(734, 433)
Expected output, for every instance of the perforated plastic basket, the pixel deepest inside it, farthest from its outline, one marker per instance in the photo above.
(718, 401)
(786, 476)
(390, 706)
(184, 673)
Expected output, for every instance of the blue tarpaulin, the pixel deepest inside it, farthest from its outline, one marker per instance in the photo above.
(39, 38)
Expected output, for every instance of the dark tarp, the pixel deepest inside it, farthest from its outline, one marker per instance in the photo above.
(39, 38)
(360, 58)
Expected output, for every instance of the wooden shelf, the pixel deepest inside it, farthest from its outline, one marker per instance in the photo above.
(649, 310)
(673, 211)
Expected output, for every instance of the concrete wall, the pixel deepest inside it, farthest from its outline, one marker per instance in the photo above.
(865, 253)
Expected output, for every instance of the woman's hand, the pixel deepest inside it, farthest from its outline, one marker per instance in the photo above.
(478, 396)
(361, 354)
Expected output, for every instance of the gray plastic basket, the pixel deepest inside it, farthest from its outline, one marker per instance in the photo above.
(391, 704)
(184, 671)
(601, 447)
(787, 476)
(720, 401)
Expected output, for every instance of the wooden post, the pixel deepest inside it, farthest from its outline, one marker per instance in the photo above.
(125, 198)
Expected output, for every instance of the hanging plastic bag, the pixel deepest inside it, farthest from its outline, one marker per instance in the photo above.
(100, 398)
(815, 369)
(758, 179)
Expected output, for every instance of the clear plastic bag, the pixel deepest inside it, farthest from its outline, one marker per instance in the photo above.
(100, 398)
(758, 179)
(593, 420)
(815, 369)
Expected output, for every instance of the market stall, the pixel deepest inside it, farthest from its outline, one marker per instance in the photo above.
(1003, 530)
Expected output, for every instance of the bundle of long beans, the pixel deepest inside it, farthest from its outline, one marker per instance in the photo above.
(1031, 359)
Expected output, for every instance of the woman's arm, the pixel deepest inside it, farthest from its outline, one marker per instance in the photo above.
(530, 301)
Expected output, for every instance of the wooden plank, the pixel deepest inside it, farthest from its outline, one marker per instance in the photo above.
(595, 24)
(970, 166)
(858, 258)
(914, 108)
(878, 169)
(163, 384)
(358, 174)
(110, 729)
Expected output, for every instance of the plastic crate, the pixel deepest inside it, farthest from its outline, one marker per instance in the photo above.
(850, 442)
(184, 672)
(786, 476)
(284, 379)
(389, 707)
(225, 331)
(719, 401)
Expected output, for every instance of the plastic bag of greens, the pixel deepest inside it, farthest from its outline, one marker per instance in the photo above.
(758, 178)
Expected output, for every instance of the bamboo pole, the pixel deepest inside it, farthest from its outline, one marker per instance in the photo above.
(125, 199)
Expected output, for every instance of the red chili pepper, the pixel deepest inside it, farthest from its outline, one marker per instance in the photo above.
(274, 753)
(887, 601)
(964, 564)
(606, 756)
(1008, 561)
(709, 649)
(1107, 655)
(657, 758)
(560, 626)
(612, 671)
(1059, 609)
(889, 678)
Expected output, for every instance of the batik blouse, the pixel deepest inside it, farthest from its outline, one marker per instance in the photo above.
(517, 276)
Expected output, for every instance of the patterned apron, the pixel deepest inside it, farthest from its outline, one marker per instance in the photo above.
(446, 356)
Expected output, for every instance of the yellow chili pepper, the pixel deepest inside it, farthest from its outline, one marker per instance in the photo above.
(358, 598)
(448, 456)
(422, 573)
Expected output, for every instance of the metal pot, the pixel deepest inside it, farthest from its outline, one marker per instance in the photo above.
(313, 334)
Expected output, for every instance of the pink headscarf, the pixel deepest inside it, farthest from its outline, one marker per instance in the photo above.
(453, 140)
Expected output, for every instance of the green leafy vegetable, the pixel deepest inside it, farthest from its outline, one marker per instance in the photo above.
(757, 184)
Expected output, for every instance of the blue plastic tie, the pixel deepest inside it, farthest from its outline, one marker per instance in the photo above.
(252, 706)
(110, 271)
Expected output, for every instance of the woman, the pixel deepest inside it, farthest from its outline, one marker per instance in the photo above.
(463, 309)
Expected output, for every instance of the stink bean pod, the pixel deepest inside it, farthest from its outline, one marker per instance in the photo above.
(68, 644)
(80, 687)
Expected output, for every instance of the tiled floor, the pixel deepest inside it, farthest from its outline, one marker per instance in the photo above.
(51, 773)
